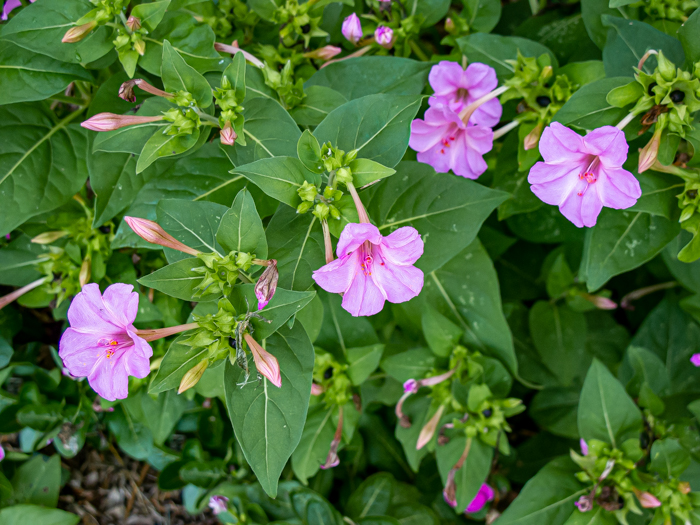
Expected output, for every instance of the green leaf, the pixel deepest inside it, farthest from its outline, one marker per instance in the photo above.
(241, 229)
(38, 481)
(588, 108)
(192, 223)
(411, 364)
(621, 241)
(265, 9)
(314, 443)
(363, 361)
(641, 366)
(432, 11)
(23, 514)
(178, 76)
(659, 191)
(269, 132)
(317, 104)
(43, 162)
(177, 280)
(627, 42)
(591, 11)
(548, 497)
(372, 497)
(417, 409)
(163, 145)
(278, 177)
(687, 34)
(441, 333)
(446, 210)
(378, 126)
(39, 28)
(151, 14)
(283, 305)
(27, 76)
(268, 421)
(42, 417)
(235, 73)
(508, 177)
(668, 458)
(295, 240)
(309, 152)
(598, 516)
(358, 77)
(178, 360)
(340, 329)
(133, 436)
(163, 413)
(555, 409)
(606, 412)
(482, 16)
(473, 472)
(366, 172)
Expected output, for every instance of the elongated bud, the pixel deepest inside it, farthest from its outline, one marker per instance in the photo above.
(233, 49)
(140, 47)
(193, 376)
(603, 303)
(85, 272)
(7, 299)
(533, 138)
(361, 211)
(133, 23)
(328, 244)
(159, 333)
(316, 389)
(112, 121)
(404, 420)
(332, 460)
(646, 499)
(584, 447)
(684, 487)
(126, 90)
(228, 136)
(267, 284)
(265, 362)
(648, 154)
(428, 431)
(449, 25)
(323, 53)
(449, 493)
(151, 232)
(77, 33)
(48, 237)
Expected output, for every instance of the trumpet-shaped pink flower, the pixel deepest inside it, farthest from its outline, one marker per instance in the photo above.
(583, 174)
(101, 343)
(445, 142)
(458, 88)
(482, 497)
(352, 28)
(371, 268)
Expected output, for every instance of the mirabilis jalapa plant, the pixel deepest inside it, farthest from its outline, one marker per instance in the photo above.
(282, 213)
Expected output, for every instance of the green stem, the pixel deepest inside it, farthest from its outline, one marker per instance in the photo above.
(208, 118)
(418, 51)
(75, 101)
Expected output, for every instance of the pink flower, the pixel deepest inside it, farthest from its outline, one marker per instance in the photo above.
(218, 504)
(352, 28)
(584, 447)
(583, 174)
(101, 343)
(482, 497)
(371, 268)
(11, 5)
(384, 36)
(695, 359)
(458, 88)
(445, 142)
(2, 453)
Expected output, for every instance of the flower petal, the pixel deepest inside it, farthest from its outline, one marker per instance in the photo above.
(618, 188)
(479, 79)
(79, 351)
(488, 114)
(337, 275)
(609, 144)
(402, 246)
(590, 207)
(354, 235)
(122, 302)
(561, 144)
(88, 313)
(446, 78)
(399, 283)
(571, 209)
(363, 297)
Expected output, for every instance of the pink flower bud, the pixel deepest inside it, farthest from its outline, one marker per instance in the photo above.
(316, 389)
(233, 49)
(151, 232)
(647, 500)
(112, 121)
(228, 136)
(133, 23)
(648, 154)
(267, 284)
(126, 90)
(332, 460)
(482, 497)
(603, 303)
(584, 504)
(7, 299)
(410, 386)
(428, 431)
(449, 493)
(695, 359)
(584, 447)
(218, 504)
(384, 36)
(533, 138)
(449, 25)
(323, 53)
(352, 28)
(77, 33)
(265, 362)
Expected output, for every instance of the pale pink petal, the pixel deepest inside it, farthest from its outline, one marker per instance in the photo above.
(543, 173)
(79, 351)
(561, 144)
(590, 207)
(363, 297)
(571, 209)
(480, 80)
(618, 188)
(354, 235)
(480, 139)
(138, 357)
(87, 312)
(122, 302)
(446, 78)
(403, 246)
(400, 283)
(425, 135)
(609, 144)
(488, 114)
(336, 276)
(556, 191)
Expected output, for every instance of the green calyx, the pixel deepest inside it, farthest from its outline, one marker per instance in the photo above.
(219, 274)
(297, 22)
(215, 331)
(331, 375)
(184, 120)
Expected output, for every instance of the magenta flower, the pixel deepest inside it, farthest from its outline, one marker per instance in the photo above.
(101, 343)
(371, 268)
(2, 453)
(458, 88)
(445, 142)
(384, 36)
(695, 359)
(482, 497)
(583, 174)
(352, 28)
(11, 5)
(218, 504)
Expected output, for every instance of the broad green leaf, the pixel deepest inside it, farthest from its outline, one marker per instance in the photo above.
(265, 9)
(268, 421)
(178, 280)
(366, 172)
(642, 366)
(269, 132)
(416, 408)
(687, 274)
(340, 330)
(43, 162)
(192, 223)
(317, 104)
(372, 497)
(27, 76)
(23, 514)
(606, 412)
(283, 305)
(151, 14)
(38, 481)
(278, 177)
(441, 333)
(411, 364)
(362, 76)
(598, 516)
(163, 145)
(315, 442)
(235, 73)
(482, 16)
(295, 240)
(627, 42)
(446, 210)
(18, 266)
(133, 436)
(621, 241)
(313, 509)
(659, 194)
(178, 360)
(163, 413)
(591, 12)
(555, 409)
(363, 361)
(687, 34)
(548, 497)
(432, 11)
(668, 458)
(241, 229)
(588, 107)
(42, 417)
(179, 76)
(508, 177)
(546, 224)
(309, 152)
(473, 472)
(378, 126)
(39, 28)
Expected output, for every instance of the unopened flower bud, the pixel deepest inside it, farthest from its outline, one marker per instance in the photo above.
(428, 431)
(265, 362)
(352, 28)
(647, 500)
(584, 447)
(533, 138)
(384, 36)
(316, 389)
(666, 68)
(547, 72)
(140, 47)
(126, 90)
(133, 23)
(151, 232)
(600, 302)
(49, 237)
(304, 207)
(648, 154)
(228, 136)
(411, 386)
(684, 487)
(77, 33)
(323, 53)
(307, 191)
(584, 504)
(233, 49)
(449, 25)
(267, 284)
(218, 504)
(7, 299)
(332, 460)
(449, 493)
(112, 121)
(193, 376)
(85, 271)
(344, 175)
